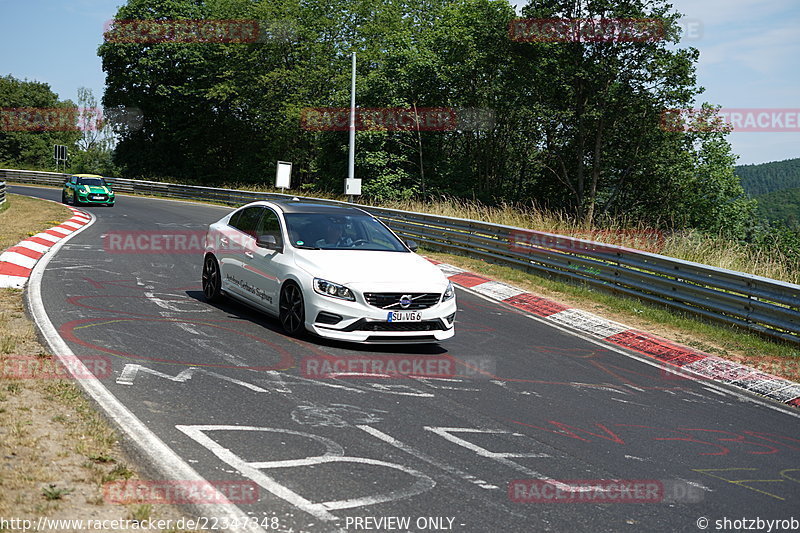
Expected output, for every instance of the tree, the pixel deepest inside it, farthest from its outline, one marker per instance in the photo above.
(94, 154)
(577, 126)
(32, 120)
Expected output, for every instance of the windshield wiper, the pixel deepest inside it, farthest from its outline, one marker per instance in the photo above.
(304, 247)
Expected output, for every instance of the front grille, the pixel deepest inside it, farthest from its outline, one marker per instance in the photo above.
(391, 300)
(424, 325)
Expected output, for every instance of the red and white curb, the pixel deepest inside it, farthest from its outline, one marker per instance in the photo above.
(696, 362)
(17, 262)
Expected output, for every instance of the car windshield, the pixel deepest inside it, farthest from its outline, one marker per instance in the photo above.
(94, 182)
(327, 231)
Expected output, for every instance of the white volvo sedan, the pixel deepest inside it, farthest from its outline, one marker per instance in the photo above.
(335, 271)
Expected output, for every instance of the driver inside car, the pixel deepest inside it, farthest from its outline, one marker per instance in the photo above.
(334, 237)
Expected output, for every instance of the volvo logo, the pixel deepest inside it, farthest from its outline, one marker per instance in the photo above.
(405, 301)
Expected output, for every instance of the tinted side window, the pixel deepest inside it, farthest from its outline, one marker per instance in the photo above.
(270, 225)
(247, 220)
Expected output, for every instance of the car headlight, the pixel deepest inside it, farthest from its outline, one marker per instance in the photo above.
(449, 292)
(111, 193)
(334, 290)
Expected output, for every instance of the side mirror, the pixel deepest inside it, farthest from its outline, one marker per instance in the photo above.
(412, 245)
(268, 241)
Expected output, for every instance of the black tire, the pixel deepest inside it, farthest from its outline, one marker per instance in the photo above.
(211, 280)
(63, 197)
(292, 311)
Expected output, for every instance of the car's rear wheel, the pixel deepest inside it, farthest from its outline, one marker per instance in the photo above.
(212, 280)
(292, 309)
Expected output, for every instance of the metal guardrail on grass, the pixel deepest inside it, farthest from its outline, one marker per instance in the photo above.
(764, 305)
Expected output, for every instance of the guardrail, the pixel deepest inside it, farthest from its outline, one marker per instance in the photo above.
(764, 305)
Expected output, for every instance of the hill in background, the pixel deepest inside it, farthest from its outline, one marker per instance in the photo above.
(776, 187)
(769, 177)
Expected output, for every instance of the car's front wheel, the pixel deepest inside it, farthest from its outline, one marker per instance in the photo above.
(64, 197)
(292, 309)
(212, 280)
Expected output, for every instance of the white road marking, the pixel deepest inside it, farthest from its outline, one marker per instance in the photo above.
(503, 458)
(449, 270)
(35, 246)
(740, 395)
(163, 458)
(333, 454)
(18, 259)
(498, 290)
(129, 373)
(12, 282)
(52, 238)
(588, 322)
(424, 457)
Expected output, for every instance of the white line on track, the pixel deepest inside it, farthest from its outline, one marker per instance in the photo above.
(162, 457)
(646, 360)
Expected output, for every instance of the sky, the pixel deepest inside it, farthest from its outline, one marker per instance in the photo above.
(749, 55)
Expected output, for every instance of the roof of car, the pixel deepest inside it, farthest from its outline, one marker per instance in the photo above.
(308, 207)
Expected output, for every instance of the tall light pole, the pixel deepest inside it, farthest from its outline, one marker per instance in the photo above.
(351, 160)
(352, 186)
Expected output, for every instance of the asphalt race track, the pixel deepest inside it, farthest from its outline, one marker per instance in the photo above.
(230, 393)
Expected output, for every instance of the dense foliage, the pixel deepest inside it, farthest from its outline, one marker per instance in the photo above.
(781, 206)
(769, 177)
(775, 187)
(577, 125)
(27, 108)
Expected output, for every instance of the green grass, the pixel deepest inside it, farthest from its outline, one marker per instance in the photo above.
(51, 492)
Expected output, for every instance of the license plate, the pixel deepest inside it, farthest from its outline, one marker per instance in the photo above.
(97, 197)
(404, 316)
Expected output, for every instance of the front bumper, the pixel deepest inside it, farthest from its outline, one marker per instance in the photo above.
(96, 199)
(363, 323)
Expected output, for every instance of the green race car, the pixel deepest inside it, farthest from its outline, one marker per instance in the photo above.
(87, 189)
